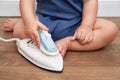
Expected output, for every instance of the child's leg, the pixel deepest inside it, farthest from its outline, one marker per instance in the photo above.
(9, 24)
(16, 26)
(18, 30)
(104, 32)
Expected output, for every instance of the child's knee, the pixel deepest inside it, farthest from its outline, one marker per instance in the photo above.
(111, 32)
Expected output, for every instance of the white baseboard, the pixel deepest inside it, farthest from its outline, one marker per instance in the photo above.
(9, 8)
(107, 8)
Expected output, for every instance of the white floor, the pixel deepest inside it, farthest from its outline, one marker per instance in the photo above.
(107, 8)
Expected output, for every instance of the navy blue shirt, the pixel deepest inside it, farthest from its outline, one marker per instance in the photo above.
(62, 17)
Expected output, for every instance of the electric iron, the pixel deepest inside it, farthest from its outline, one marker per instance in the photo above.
(46, 57)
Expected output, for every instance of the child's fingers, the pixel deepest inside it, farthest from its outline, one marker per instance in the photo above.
(32, 37)
(37, 39)
(86, 40)
(90, 39)
(81, 37)
(74, 36)
(42, 26)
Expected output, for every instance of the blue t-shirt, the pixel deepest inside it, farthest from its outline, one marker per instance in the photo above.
(62, 17)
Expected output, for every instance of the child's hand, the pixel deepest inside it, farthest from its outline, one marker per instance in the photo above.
(31, 30)
(83, 34)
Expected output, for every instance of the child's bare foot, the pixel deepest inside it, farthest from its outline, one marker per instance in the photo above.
(63, 45)
(9, 24)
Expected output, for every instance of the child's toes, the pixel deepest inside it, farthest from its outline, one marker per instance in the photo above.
(9, 24)
(7, 29)
(61, 50)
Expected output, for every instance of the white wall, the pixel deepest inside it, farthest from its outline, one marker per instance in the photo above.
(107, 8)
(109, 0)
(9, 8)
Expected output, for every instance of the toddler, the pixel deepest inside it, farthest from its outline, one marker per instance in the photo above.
(72, 24)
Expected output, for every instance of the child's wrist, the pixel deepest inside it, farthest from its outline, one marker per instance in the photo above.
(29, 22)
(87, 26)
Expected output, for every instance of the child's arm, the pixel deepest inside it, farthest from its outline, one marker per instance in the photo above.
(27, 10)
(84, 33)
(90, 9)
(31, 23)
